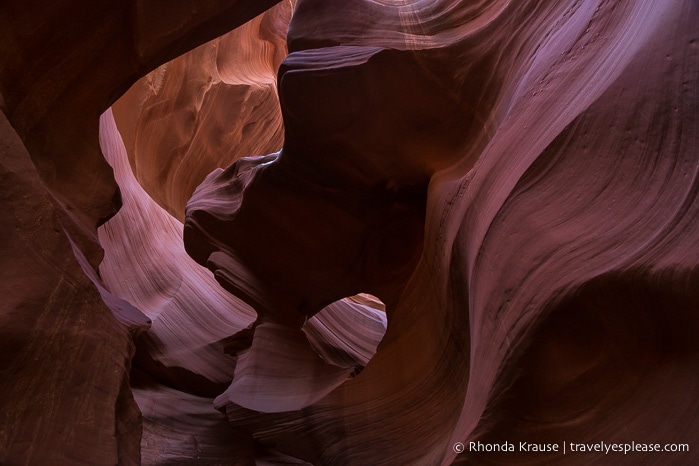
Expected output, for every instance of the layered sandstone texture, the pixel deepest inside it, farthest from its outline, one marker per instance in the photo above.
(67, 341)
(348, 232)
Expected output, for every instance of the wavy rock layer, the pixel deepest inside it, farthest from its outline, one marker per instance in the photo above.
(67, 340)
(548, 150)
(182, 361)
(205, 109)
(517, 181)
(56, 81)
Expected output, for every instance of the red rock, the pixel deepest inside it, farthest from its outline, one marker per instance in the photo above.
(65, 358)
(553, 298)
(65, 388)
(516, 181)
(205, 109)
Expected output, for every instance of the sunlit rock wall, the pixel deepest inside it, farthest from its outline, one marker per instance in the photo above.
(67, 341)
(205, 109)
(551, 148)
(516, 181)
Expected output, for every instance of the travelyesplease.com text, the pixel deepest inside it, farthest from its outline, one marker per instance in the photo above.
(571, 447)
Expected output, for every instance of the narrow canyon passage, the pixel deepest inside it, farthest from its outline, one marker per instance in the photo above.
(367, 232)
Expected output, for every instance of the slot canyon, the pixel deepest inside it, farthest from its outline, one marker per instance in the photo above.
(349, 232)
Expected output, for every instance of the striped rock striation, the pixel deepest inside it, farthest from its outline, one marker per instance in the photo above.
(517, 181)
(426, 224)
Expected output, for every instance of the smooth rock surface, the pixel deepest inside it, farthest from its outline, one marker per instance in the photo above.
(554, 296)
(65, 358)
(516, 182)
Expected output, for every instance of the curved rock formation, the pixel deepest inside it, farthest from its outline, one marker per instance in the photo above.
(65, 391)
(77, 72)
(516, 181)
(205, 109)
(183, 354)
(557, 167)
